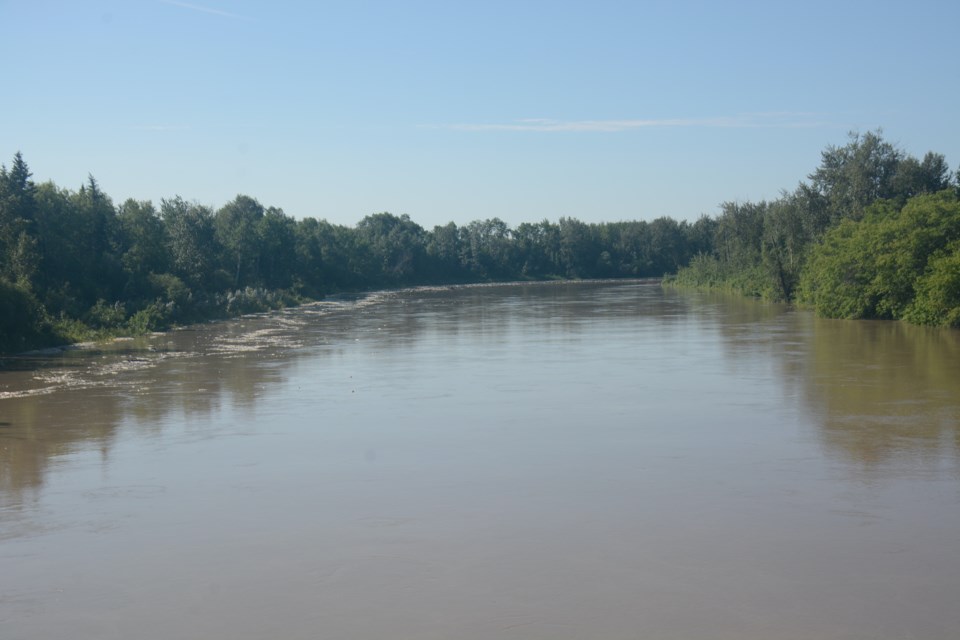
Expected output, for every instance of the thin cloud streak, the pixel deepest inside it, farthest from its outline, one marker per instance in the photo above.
(755, 120)
(157, 127)
(214, 12)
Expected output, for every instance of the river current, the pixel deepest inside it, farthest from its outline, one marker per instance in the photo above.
(602, 460)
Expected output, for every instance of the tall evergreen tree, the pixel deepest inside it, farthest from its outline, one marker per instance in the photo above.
(19, 255)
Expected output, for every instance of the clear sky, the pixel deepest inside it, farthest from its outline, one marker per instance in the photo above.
(456, 110)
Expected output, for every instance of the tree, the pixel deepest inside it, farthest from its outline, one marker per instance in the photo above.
(486, 249)
(937, 300)
(442, 247)
(632, 248)
(578, 250)
(784, 244)
(329, 257)
(308, 256)
(396, 245)
(191, 241)
(237, 226)
(22, 319)
(19, 254)
(854, 176)
(668, 239)
(914, 177)
(102, 276)
(538, 246)
(278, 240)
(700, 235)
(892, 264)
(144, 245)
(740, 233)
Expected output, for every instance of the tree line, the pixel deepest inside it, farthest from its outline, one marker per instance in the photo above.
(73, 264)
(873, 233)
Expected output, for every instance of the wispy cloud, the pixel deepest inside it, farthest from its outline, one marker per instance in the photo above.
(781, 120)
(196, 7)
(157, 127)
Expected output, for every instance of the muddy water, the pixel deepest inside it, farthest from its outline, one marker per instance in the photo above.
(552, 462)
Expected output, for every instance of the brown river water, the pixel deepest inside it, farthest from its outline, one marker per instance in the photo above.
(583, 461)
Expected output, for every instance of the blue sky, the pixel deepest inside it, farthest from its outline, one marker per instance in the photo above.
(456, 111)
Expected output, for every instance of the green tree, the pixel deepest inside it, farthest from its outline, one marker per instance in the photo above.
(278, 241)
(486, 250)
(58, 228)
(579, 252)
(914, 177)
(538, 247)
(78, 244)
(442, 247)
(668, 240)
(784, 245)
(854, 176)
(237, 226)
(700, 235)
(308, 254)
(102, 276)
(891, 264)
(19, 253)
(836, 280)
(191, 241)
(937, 300)
(144, 246)
(22, 319)
(396, 245)
(632, 248)
(329, 257)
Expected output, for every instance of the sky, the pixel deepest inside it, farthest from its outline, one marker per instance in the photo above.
(458, 111)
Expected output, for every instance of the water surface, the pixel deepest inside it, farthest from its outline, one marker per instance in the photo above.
(593, 460)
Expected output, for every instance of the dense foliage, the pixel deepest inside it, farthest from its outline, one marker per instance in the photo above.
(875, 233)
(72, 262)
(894, 264)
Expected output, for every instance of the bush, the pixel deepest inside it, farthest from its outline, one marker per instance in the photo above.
(154, 317)
(707, 272)
(172, 288)
(938, 291)
(105, 316)
(22, 319)
(891, 264)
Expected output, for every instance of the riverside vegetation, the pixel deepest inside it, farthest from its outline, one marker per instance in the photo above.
(874, 233)
(74, 266)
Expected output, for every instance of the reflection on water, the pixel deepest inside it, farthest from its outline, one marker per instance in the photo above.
(600, 460)
(885, 390)
(191, 372)
(879, 392)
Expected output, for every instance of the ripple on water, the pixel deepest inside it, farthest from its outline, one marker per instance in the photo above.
(281, 334)
(110, 370)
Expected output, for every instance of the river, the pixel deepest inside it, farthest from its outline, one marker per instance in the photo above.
(602, 460)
